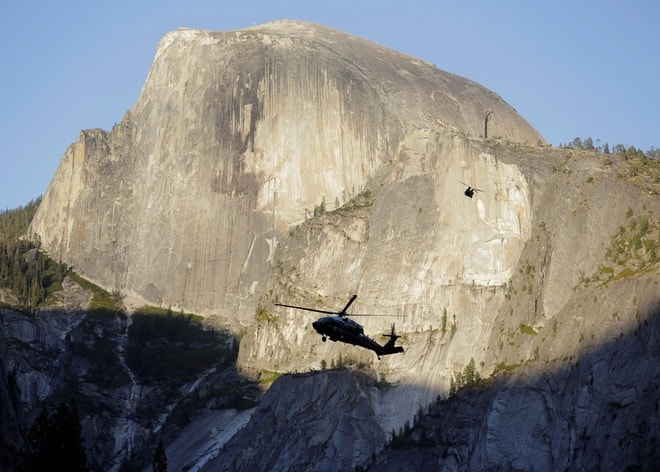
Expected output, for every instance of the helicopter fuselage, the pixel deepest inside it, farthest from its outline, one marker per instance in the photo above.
(341, 328)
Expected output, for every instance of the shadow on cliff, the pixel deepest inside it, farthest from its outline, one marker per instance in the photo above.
(598, 412)
(158, 374)
(136, 380)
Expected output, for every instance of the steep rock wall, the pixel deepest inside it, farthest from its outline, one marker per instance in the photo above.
(323, 422)
(237, 135)
(417, 251)
(538, 236)
(598, 412)
(11, 412)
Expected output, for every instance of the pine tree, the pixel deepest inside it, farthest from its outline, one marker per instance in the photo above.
(40, 443)
(55, 441)
(469, 373)
(160, 459)
(72, 454)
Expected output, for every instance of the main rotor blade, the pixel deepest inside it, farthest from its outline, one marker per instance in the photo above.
(340, 313)
(374, 314)
(343, 312)
(309, 309)
(470, 186)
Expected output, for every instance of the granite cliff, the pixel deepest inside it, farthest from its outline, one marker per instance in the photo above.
(290, 162)
(237, 136)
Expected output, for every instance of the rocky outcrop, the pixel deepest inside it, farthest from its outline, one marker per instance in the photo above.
(11, 413)
(590, 414)
(325, 421)
(71, 352)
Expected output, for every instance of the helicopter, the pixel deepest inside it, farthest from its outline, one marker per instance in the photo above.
(469, 191)
(339, 327)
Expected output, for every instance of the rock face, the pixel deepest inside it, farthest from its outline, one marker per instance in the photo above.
(563, 299)
(238, 135)
(591, 414)
(310, 416)
(293, 163)
(69, 352)
(10, 412)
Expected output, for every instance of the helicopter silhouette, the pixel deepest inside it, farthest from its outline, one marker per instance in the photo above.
(469, 191)
(339, 327)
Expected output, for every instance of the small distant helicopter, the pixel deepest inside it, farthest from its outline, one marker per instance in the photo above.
(339, 327)
(469, 191)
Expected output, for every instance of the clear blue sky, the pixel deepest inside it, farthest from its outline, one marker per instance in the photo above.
(571, 68)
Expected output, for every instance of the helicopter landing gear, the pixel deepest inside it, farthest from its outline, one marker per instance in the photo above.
(323, 338)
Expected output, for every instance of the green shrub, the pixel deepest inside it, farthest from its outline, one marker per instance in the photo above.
(527, 329)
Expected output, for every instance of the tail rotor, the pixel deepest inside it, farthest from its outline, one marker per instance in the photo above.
(392, 335)
(389, 347)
